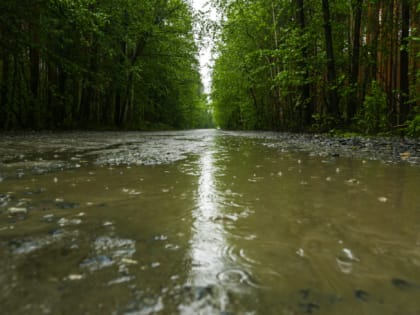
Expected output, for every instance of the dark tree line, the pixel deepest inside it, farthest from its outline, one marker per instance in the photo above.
(306, 64)
(99, 64)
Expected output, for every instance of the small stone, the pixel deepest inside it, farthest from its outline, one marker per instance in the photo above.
(120, 280)
(405, 155)
(73, 277)
(48, 217)
(65, 222)
(16, 210)
(129, 261)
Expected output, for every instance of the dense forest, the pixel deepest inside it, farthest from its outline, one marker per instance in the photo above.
(318, 65)
(279, 65)
(123, 64)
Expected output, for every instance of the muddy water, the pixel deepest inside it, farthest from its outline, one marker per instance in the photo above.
(203, 222)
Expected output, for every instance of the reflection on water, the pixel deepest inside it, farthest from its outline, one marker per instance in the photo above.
(208, 235)
(234, 227)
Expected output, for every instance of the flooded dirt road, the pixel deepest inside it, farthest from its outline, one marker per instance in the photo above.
(205, 222)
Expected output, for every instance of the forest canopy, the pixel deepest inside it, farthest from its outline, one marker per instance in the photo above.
(317, 65)
(99, 64)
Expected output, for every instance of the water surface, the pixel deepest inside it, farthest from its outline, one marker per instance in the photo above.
(203, 222)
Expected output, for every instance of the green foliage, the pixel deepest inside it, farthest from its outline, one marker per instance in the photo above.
(372, 117)
(276, 67)
(90, 63)
(324, 123)
(413, 128)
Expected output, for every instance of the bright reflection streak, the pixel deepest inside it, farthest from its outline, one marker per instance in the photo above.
(208, 238)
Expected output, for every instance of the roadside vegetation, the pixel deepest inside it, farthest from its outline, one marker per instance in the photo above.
(109, 64)
(337, 66)
(326, 65)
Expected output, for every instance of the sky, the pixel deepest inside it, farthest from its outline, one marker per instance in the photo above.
(205, 52)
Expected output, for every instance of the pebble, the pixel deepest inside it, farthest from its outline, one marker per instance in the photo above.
(129, 261)
(16, 210)
(73, 277)
(64, 222)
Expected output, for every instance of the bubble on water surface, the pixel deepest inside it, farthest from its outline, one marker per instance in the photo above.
(382, 199)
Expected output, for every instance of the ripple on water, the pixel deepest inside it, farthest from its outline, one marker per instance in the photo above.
(237, 256)
(345, 261)
(236, 276)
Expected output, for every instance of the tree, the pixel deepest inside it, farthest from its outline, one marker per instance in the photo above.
(98, 64)
(332, 103)
(308, 106)
(355, 58)
(404, 60)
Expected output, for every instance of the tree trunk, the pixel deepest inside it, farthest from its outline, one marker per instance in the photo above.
(332, 103)
(61, 106)
(4, 90)
(33, 113)
(404, 83)
(34, 61)
(354, 65)
(308, 106)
